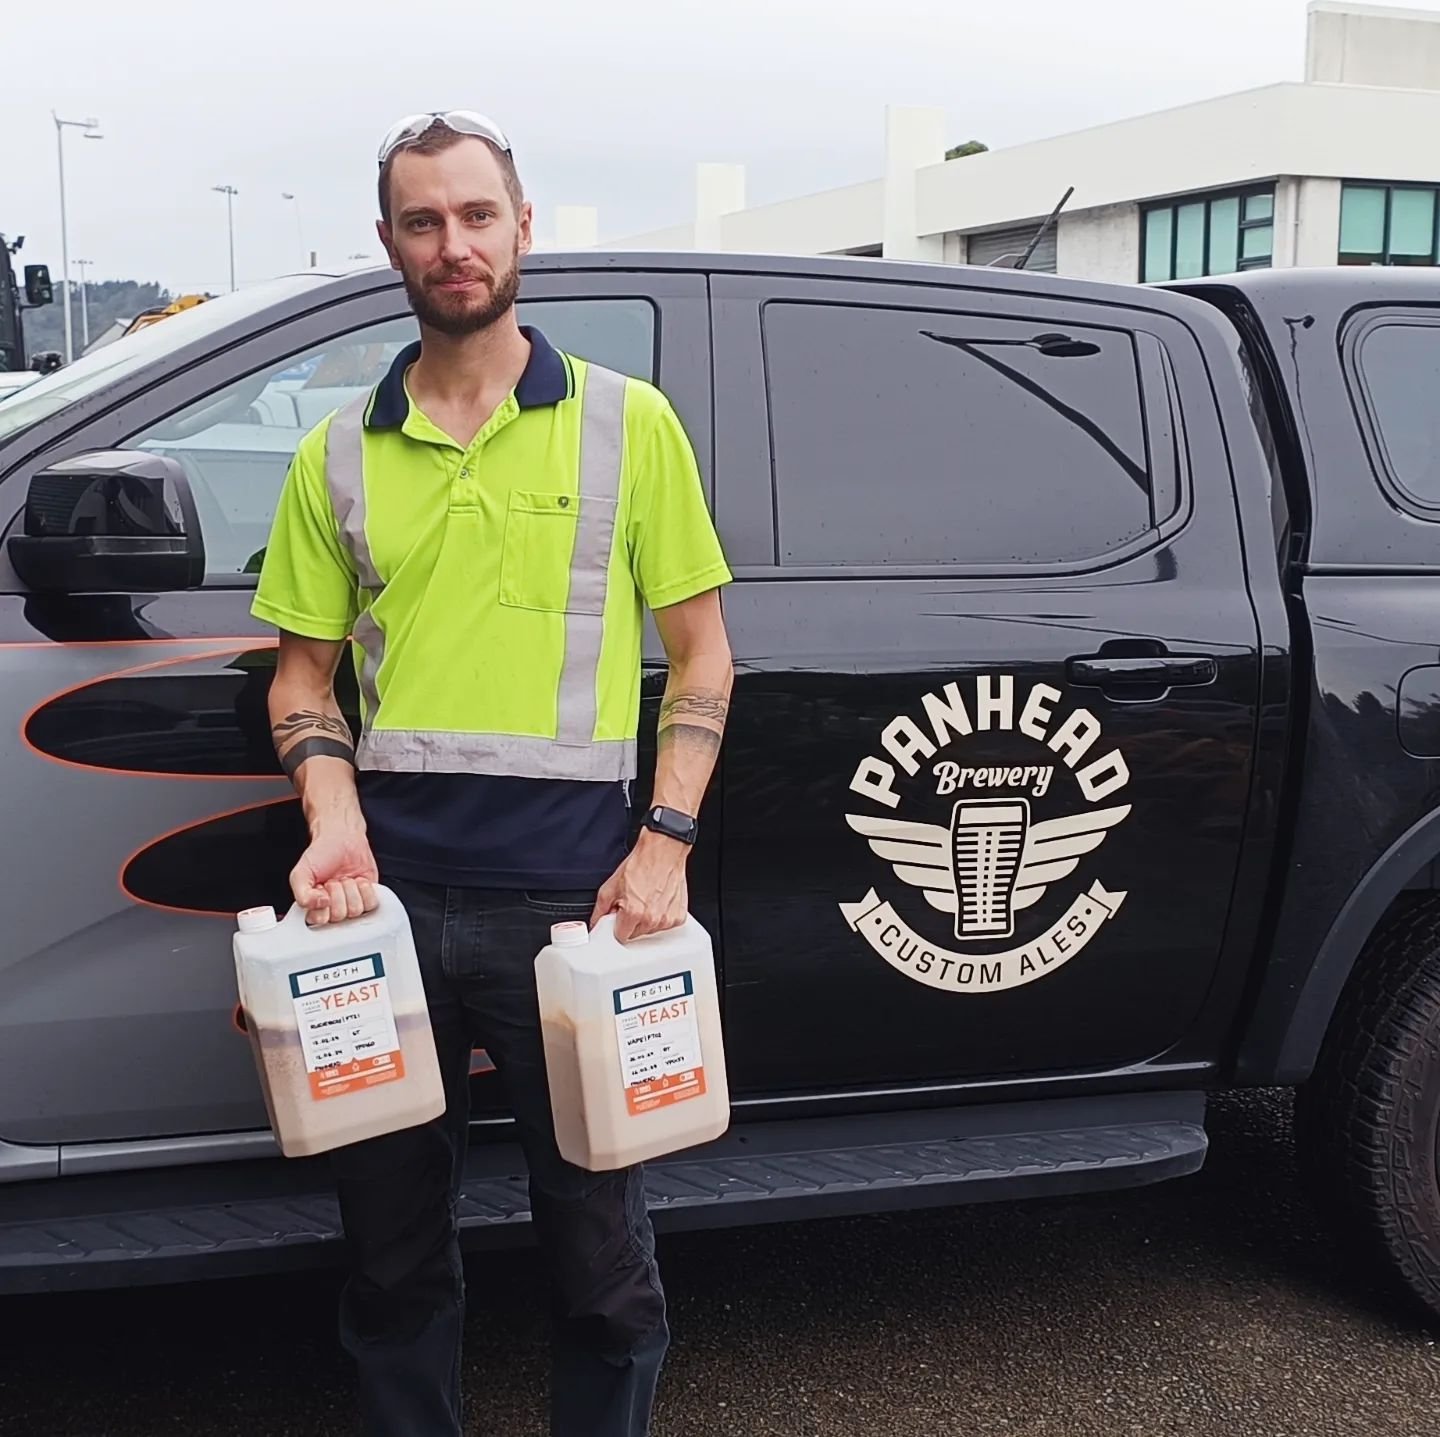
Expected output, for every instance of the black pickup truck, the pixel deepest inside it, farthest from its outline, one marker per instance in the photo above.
(1083, 760)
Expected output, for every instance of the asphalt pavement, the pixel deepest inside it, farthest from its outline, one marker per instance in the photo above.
(1216, 1304)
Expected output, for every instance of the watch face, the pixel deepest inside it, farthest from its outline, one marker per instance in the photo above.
(676, 825)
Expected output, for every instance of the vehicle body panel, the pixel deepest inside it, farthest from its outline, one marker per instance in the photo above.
(1274, 806)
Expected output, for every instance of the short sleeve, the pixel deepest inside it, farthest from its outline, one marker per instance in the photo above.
(307, 582)
(675, 552)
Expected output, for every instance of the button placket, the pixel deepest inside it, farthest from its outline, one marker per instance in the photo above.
(466, 477)
(467, 473)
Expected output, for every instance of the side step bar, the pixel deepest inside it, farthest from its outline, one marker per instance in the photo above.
(119, 1229)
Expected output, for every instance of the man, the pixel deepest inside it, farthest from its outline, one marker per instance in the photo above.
(488, 525)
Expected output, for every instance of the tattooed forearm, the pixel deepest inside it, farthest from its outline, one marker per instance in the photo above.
(310, 733)
(693, 720)
(310, 723)
(688, 736)
(687, 740)
(693, 704)
(297, 753)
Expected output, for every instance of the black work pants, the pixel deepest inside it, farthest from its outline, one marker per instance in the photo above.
(402, 1309)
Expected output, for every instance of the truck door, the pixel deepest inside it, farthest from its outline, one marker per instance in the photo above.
(144, 803)
(987, 765)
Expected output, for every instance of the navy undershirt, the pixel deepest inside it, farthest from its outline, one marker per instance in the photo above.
(475, 830)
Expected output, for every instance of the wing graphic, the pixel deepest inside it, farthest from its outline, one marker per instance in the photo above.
(918, 852)
(1054, 848)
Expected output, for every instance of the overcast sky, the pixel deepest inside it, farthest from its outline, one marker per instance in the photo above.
(608, 102)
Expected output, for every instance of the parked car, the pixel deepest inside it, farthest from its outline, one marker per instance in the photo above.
(12, 381)
(1084, 756)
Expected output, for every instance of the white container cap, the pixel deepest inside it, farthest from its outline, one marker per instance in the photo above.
(569, 935)
(256, 920)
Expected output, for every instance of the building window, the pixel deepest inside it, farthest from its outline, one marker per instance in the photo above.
(1388, 224)
(1217, 234)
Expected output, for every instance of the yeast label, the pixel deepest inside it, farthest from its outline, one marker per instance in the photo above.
(1000, 869)
(347, 1026)
(660, 1058)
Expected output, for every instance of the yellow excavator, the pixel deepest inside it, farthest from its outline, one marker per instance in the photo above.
(150, 316)
(121, 327)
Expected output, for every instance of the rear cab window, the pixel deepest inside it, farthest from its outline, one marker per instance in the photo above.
(927, 439)
(1393, 368)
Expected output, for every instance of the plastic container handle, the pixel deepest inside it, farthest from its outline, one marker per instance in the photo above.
(609, 919)
(296, 912)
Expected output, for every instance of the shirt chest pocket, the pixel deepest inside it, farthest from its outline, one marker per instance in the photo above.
(556, 553)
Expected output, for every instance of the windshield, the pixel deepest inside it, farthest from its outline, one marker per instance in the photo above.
(104, 366)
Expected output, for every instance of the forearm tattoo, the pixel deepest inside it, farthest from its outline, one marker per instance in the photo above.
(310, 721)
(308, 733)
(675, 730)
(688, 736)
(695, 703)
(297, 753)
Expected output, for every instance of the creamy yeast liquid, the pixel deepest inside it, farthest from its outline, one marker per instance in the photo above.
(338, 1025)
(633, 1043)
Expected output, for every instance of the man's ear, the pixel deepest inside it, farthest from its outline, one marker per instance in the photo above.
(527, 219)
(387, 238)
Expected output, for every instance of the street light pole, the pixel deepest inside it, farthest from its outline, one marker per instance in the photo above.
(92, 132)
(299, 224)
(82, 265)
(229, 191)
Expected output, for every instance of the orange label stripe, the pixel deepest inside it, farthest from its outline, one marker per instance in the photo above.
(352, 1077)
(662, 1092)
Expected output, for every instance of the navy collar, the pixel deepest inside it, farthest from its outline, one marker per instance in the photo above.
(546, 380)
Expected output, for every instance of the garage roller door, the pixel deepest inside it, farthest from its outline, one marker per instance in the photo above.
(992, 244)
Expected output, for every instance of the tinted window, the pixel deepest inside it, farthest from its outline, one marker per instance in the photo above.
(236, 444)
(1400, 371)
(913, 437)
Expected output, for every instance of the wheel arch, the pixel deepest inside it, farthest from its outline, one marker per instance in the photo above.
(1363, 912)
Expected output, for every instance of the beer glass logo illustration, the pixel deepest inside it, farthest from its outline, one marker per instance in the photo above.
(986, 841)
(990, 862)
(993, 858)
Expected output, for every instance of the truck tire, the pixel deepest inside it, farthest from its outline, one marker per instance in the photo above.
(1368, 1121)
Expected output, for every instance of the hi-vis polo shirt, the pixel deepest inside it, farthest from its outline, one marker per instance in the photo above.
(459, 574)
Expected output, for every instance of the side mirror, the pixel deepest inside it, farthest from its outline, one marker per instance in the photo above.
(110, 521)
(38, 289)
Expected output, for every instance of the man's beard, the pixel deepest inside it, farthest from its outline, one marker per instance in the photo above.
(457, 314)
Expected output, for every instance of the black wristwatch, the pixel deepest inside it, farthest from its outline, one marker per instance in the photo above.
(672, 823)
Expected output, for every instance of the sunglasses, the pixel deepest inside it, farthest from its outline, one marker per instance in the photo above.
(464, 122)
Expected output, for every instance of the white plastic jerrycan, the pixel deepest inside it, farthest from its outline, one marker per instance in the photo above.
(633, 1043)
(338, 1025)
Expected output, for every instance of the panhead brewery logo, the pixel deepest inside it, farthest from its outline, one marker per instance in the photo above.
(965, 818)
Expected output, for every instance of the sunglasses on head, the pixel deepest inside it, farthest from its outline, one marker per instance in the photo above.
(465, 122)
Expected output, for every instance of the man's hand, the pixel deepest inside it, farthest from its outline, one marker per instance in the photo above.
(647, 893)
(335, 878)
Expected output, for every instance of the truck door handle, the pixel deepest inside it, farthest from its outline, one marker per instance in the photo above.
(1125, 676)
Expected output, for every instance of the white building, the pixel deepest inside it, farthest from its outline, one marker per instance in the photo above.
(1343, 167)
